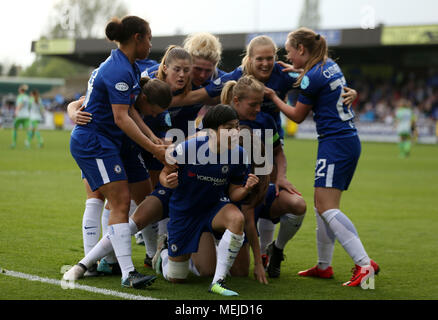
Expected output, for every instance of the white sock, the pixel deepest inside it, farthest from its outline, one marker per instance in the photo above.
(91, 223)
(150, 236)
(193, 269)
(101, 249)
(346, 234)
(227, 250)
(325, 241)
(165, 262)
(111, 257)
(120, 237)
(105, 218)
(266, 230)
(289, 225)
(162, 226)
(132, 227)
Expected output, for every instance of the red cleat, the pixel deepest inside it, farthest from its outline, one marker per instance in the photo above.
(317, 273)
(361, 273)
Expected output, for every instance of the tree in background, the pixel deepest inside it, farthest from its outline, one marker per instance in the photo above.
(80, 19)
(74, 19)
(54, 67)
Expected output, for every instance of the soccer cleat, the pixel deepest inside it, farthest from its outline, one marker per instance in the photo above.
(275, 257)
(220, 288)
(156, 260)
(92, 271)
(139, 238)
(75, 273)
(317, 273)
(26, 144)
(108, 268)
(137, 280)
(361, 273)
(148, 261)
(265, 260)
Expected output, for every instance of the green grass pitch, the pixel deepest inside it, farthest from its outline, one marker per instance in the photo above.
(391, 201)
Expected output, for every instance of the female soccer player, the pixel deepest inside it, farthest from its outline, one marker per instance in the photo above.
(96, 146)
(197, 202)
(206, 52)
(35, 117)
(174, 69)
(260, 62)
(322, 85)
(154, 98)
(283, 203)
(22, 110)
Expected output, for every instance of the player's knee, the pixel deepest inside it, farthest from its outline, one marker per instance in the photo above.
(236, 221)
(296, 205)
(121, 202)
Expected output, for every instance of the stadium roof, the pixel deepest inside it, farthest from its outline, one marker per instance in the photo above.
(94, 51)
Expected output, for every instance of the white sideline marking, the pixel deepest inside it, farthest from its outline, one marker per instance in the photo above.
(107, 292)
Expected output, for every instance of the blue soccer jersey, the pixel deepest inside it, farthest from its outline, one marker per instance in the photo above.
(200, 192)
(116, 81)
(145, 64)
(182, 115)
(279, 81)
(201, 186)
(259, 126)
(322, 88)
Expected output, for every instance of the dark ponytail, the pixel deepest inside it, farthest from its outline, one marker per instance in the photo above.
(122, 30)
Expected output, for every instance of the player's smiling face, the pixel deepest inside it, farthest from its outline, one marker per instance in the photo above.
(262, 60)
(178, 73)
(249, 107)
(295, 55)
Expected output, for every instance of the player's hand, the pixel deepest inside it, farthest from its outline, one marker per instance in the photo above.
(349, 96)
(252, 181)
(260, 274)
(283, 183)
(269, 93)
(159, 153)
(172, 180)
(288, 67)
(81, 117)
(156, 140)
